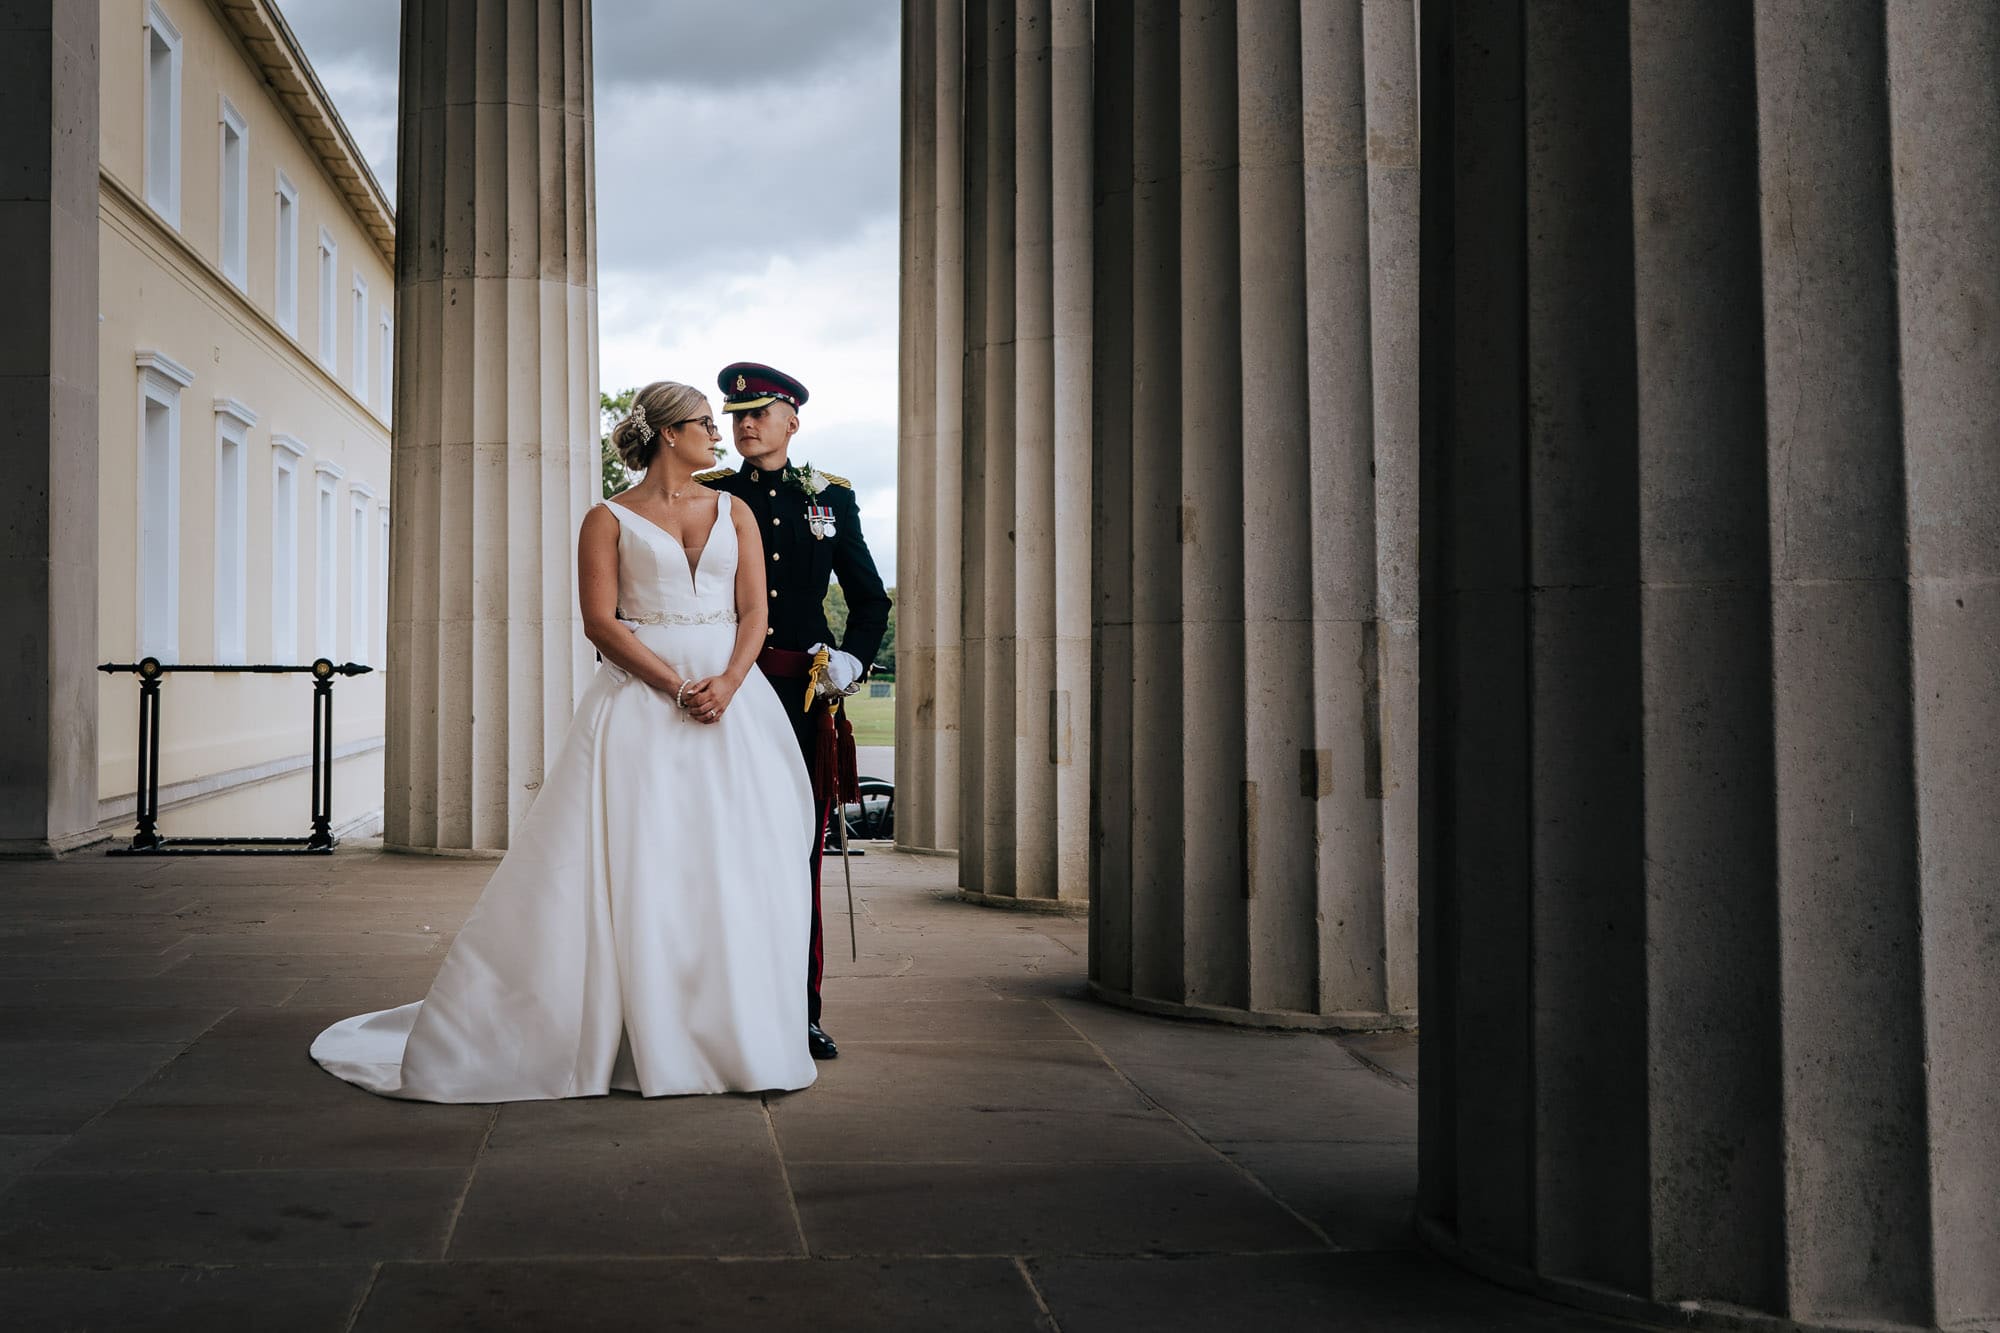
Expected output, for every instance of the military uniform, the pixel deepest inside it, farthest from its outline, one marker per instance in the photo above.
(808, 539)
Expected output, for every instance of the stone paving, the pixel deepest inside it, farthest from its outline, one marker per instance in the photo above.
(991, 1151)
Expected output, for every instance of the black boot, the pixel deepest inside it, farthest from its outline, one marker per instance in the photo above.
(819, 1043)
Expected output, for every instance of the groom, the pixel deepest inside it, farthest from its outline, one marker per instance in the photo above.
(811, 527)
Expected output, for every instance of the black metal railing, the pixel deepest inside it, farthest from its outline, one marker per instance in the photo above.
(148, 841)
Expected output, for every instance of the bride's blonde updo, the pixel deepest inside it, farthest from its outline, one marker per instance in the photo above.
(659, 405)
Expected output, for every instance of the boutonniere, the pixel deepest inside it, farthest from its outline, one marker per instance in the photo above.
(807, 478)
(819, 517)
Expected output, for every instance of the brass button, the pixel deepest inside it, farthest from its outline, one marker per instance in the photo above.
(774, 555)
(774, 593)
(769, 632)
(776, 521)
(774, 493)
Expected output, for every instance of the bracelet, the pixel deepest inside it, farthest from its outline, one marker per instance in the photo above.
(679, 701)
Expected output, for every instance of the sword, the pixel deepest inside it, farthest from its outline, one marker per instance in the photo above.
(846, 863)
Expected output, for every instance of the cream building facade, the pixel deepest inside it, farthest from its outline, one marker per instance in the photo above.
(245, 338)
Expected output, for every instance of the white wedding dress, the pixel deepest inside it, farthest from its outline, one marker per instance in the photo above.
(623, 942)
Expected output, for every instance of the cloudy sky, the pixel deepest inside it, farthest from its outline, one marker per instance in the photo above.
(746, 199)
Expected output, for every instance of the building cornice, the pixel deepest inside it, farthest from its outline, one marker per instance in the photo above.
(272, 45)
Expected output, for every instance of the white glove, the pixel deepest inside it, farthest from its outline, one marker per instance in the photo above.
(843, 671)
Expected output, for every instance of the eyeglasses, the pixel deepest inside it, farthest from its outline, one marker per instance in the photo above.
(706, 423)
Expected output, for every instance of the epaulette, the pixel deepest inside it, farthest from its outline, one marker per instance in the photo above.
(714, 474)
(837, 481)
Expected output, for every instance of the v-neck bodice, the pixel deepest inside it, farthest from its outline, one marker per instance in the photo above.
(655, 578)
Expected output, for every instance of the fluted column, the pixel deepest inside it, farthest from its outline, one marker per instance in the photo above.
(48, 382)
(1254, 598)
(997, 108)
(1709, 685)
(919, 575)
(496, 382)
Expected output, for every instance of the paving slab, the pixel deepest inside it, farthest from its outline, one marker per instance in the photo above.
(949, 1020)
(353, 1132)
(771, 1296)
(186, 1299)
(643, 1205)
(55, 1087)
(104, 1023)
(149, 992)
(1229, 1293)
(929, 1208)
(132, 1218)
(1362, 1195)
(623, 1127)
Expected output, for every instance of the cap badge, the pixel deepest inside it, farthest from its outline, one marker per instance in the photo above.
(741, 384)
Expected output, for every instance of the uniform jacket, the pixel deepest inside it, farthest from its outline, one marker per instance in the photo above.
(797, 564)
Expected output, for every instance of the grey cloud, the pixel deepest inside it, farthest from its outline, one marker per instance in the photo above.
(716, 182)
(735, 42)
(691, 95)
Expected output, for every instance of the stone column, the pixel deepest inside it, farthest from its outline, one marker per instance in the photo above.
(917, 554)
(1709, 582)
(997, 105)
(1254, 598)
(496, 384)
(48, 384)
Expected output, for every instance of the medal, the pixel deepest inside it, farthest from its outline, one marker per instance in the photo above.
(819, 518)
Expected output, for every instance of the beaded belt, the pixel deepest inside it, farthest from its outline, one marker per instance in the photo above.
(684, 618)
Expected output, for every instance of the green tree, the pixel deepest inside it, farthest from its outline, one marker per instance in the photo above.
(885, 656)
(610, 408)
(836, 623)
(835, 607)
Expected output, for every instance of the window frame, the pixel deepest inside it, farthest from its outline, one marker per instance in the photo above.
(386, 351)
(233, 423)
(235, 267)
(361, 587)
(287, 452)
(286, 209)
(326, 559)
(329, 301)
(358, 372)
(157, 622)
(163, 196)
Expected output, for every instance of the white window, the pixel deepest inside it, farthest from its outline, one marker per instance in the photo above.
(285, 455)
(382, 582)
(329, 294)
(232, 529)
(359, 587)
(360, 337)
(161, 380)
(288, 256)
(163, 114)
(326, 569)
(386, 350)
(235, 196)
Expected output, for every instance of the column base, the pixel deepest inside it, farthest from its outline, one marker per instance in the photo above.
(1346, 1021)
(51, 849)
(926, 851)
(1624, 1305)
(450, 853)
(1051, 906)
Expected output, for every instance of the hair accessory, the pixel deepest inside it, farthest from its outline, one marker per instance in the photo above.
(637, 417)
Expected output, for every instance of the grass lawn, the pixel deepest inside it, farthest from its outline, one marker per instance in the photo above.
(874, 719)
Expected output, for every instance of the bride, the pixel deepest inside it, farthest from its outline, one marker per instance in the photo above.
(649, 926)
